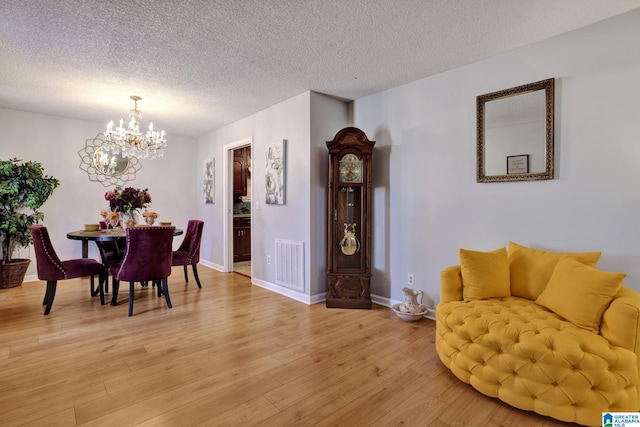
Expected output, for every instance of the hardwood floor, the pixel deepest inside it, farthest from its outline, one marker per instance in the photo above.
(242, 267)
(227, 354)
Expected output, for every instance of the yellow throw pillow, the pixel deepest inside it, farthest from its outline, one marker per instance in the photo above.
(580, 293)
(484, 274)
(530, 269)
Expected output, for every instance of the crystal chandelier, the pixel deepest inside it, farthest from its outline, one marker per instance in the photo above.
(130, 142)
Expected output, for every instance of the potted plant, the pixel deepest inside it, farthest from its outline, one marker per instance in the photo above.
(23, 189)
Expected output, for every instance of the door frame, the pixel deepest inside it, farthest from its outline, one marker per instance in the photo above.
(227, 200)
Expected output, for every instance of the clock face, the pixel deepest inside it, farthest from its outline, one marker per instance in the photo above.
(350, 169)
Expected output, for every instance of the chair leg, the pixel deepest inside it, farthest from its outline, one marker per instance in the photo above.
(131, 289)
(186, 277)
(94, 291)
(102, 278)
(49, 295)
(195, 274)
(106, 280)
(116, 288)
(165, 291)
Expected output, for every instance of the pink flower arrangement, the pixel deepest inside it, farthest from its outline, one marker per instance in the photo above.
(127, 200)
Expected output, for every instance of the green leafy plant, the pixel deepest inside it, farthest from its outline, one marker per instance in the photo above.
(23, 189)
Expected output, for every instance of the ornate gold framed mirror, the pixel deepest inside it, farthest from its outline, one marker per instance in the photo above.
(515, 133)
(104, 167)
(109, 164)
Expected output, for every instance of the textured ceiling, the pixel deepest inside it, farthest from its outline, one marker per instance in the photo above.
(201, 64)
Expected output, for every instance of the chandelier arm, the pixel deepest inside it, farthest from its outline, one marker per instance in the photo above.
(130, 142)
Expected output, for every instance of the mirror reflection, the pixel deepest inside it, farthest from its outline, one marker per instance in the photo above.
(515, 134)
(109, 164)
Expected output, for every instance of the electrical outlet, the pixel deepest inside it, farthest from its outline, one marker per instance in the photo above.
(410, 279)
(268, 259)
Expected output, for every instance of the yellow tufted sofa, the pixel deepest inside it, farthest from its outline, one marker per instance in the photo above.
(528, 356)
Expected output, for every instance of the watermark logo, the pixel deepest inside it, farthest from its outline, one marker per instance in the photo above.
(621, 419)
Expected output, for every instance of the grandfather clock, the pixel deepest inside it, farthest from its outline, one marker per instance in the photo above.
(349, 221)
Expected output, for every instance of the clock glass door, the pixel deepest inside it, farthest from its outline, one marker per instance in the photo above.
(349, 227)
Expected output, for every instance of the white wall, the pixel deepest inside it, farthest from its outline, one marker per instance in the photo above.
(427, 204)
(328, 117)
(297, 219)
(515, 140)
(55, 142)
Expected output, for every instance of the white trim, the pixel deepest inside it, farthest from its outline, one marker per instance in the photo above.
(283, 291)
(227, 201)
(211, 265)
(31, 278)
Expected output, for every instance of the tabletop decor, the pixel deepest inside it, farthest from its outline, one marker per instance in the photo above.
(127, 202)
(23, 189)
(111, 219)
(149, 217)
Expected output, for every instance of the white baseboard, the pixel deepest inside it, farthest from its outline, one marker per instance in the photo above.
(211, 265)
(30, 278)
(283, 291)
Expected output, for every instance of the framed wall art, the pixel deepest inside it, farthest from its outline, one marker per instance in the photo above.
(274, 179)
(208, 181)
(518, 164)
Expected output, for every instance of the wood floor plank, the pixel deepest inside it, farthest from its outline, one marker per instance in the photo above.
(227, 354)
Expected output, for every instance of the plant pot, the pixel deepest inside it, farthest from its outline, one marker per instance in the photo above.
(12, 274)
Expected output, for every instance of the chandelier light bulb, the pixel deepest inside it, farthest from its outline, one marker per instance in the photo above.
(130, 142)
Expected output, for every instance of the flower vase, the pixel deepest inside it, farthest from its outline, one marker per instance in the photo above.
(149, 220)
(130, 219)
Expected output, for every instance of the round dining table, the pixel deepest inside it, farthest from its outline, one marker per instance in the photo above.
(111, 235)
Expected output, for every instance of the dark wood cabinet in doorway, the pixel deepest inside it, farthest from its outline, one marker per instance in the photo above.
(240, 168)
(241, 239)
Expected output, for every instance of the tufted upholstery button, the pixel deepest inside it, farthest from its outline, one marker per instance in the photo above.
(535, 347)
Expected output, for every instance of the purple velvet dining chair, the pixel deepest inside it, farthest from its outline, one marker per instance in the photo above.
(189, 251)
(147, 258)
(52, 269)
(111, 252)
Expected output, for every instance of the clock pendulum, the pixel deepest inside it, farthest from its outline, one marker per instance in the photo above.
(349, 244)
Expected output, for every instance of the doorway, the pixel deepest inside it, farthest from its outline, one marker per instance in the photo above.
(242, 210)
(237, 207)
